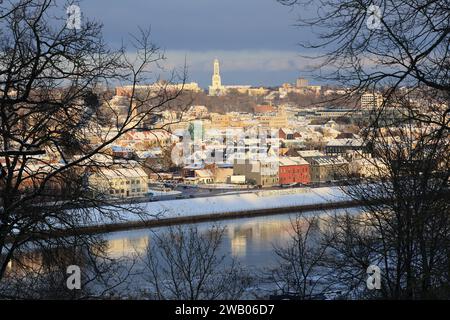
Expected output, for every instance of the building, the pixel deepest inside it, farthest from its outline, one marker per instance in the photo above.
(302, 82)
(280, 120)
(286, 134)
(263, 173)
(371, 101)
(189, 170)
(300, 87)
(157, 87)
(327, 168)
(293, 170)
(120, 182)
(242, 89)
(341, 147)
(145, 140)
(216, 88)
(204, 176)
(220, 120)
(221, 172)
(197, 112)
(329, 113)
(373, 168)
(305, 154)
(263, 109)
(261, 91)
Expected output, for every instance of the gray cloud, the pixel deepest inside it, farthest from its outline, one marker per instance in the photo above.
(254, 39)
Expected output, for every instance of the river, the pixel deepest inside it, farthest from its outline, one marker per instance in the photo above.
(249, 241)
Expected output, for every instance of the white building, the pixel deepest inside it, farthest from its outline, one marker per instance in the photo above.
(120, 182)
(371, 100)
(216, 88)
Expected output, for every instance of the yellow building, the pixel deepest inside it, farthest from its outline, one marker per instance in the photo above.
(220, 120)
(261, 91)
(120, 182)
(327, 168)
(280, 120)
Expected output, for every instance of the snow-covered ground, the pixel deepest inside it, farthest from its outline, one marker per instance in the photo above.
(258, 200)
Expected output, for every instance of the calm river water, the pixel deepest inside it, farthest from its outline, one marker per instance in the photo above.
(249, 240)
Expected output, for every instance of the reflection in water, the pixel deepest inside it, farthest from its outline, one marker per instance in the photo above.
(250, 240)
(125, 246)
(239, 246)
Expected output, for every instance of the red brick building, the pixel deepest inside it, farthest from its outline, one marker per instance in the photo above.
(288, 134)
(263, 109)
(293, 170)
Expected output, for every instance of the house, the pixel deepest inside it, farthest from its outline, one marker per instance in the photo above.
(221, 172)
(144, 140)
(340, 147)
(293, 170)
(263, 109)
(286, 134)
(120, 182)
(305, 154)
(373, 168)
(327, 168)
(189, 171)
(119, 152)
(263, 173)
(204, 176)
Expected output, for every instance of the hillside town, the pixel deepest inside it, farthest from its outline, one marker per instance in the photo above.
(277, 144)
(228, 155)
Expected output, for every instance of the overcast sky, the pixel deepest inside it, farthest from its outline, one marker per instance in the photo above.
(255, 40)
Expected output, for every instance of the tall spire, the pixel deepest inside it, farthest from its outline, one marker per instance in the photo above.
(216, 81)
(216, 87)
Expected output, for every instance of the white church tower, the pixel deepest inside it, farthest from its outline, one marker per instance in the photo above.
(216, 88)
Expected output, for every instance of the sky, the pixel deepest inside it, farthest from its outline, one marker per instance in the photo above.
(255, 41)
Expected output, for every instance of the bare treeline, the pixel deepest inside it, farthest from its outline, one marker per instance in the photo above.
(56, 123)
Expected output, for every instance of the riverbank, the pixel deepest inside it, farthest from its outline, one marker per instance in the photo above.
(160, 222)
(221, 207)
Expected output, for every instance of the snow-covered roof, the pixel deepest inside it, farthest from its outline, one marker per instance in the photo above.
(203, 173)
(287, 130)
(345, 142)
(195, 166)
(327, 160)
(310, 153)
(136, 172)
(150, 135)
(292, 161)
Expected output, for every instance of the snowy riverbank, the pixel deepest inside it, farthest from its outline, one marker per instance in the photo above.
(230, 204)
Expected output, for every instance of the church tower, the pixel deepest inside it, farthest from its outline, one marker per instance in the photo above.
(216, 81)
(216, 87)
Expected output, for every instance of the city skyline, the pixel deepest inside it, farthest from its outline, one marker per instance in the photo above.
(173, 140)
